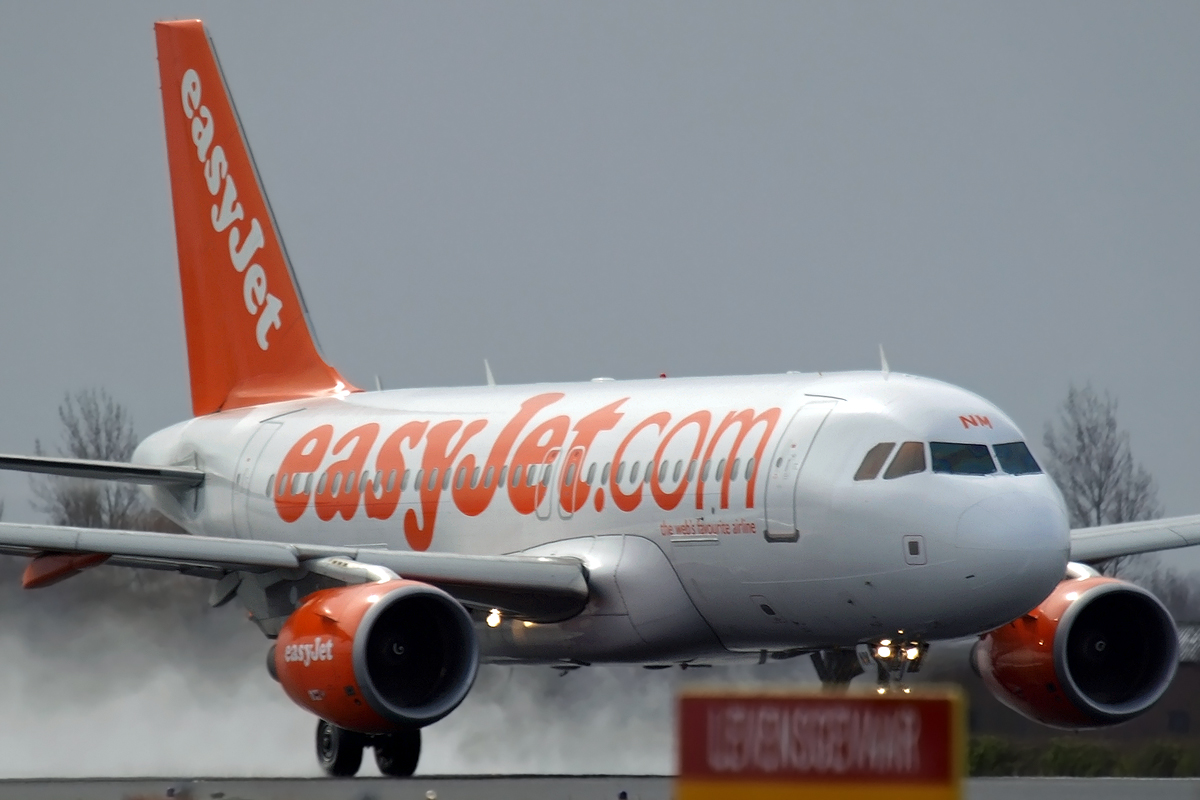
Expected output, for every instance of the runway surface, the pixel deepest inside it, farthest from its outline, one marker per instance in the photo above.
(525, 787)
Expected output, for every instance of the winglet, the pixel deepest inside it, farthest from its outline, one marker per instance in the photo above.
(248, 336)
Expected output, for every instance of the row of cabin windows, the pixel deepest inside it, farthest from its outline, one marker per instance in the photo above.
(302, 482)
(950, 458)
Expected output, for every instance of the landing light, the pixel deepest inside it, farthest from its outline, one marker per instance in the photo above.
(912, 653)
(883, 651)
(881, 690)
(493, 618)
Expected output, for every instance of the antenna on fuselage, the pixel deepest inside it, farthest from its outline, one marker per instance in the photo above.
(883, 365)
(378, 385)
(487, 368)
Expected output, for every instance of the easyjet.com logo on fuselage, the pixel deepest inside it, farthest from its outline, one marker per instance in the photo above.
(446, 460)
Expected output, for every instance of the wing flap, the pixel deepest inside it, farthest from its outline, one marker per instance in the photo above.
(184, 477)
(535, 588)
(232, 553)
(1130, 538)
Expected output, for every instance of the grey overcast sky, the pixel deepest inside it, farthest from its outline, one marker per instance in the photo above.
(1006, 195)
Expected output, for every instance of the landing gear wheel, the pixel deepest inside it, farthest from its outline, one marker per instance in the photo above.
(339, 751)
(397, 754)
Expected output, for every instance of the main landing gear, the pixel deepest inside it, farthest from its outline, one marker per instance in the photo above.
(837, 667)
(340, 752)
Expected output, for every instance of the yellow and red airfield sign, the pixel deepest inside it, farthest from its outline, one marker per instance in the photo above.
(759, 745)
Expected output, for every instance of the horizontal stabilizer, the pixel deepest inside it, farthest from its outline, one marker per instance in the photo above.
(185, 477)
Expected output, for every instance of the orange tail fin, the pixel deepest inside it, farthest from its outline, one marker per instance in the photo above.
(248, 335)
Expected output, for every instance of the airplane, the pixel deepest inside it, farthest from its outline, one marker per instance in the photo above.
(389, 542)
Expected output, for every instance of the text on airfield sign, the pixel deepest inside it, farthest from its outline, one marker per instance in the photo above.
(774, 745)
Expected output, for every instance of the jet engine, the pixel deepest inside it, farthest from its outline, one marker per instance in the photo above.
(1096, 652)
(377, 657)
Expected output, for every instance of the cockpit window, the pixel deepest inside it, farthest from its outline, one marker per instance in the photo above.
(1015, 459)
(873, 461)
(910, 459)
(961, 459)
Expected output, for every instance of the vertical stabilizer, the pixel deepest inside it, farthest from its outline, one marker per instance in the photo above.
(248, 335)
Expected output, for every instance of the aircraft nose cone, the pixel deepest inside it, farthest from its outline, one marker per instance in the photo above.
(1014, 521)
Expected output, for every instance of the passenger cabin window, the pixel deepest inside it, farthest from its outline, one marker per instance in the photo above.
(1015, 459)
(961, 459)
(909, 460)
(873, 461)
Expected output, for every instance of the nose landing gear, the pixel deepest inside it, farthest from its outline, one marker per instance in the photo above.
(894, 658)
(340, 752)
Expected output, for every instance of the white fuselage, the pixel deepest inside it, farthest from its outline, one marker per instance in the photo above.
(751, 533)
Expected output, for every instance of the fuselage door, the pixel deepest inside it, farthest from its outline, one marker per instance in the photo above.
(786, 466)
(243, 485)
(544, 484)
(571, 478)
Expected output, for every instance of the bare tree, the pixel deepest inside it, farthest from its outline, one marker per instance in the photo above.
(1175, 590)
(1092, 464)
(95, 426)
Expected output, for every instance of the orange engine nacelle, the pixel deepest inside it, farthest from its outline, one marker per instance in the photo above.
(378, 657)
(1096, 652)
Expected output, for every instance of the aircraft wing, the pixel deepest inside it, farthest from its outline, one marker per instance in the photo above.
(186, 477)
(538, 589)
(1129, 538)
